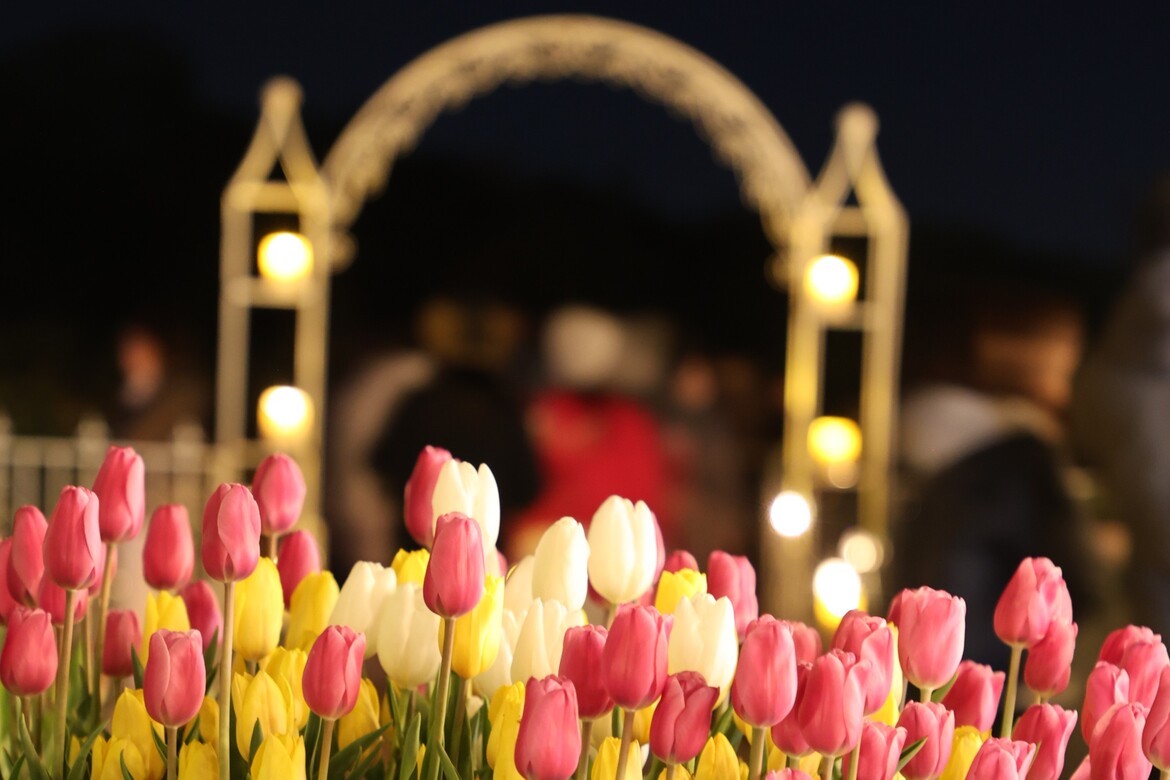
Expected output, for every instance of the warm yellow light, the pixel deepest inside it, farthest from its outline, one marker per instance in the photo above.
(790, 514)
(831, 281)
(836, 590)
(285, 413)
(833, 440)
(285, 256)
(861, 550)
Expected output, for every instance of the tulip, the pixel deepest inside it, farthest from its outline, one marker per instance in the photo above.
(1118, 641)
(1156, 733)
(362, 719)
(679, 560)
(175, 675)
(26, 565)
(704, 639)
(454, 579)
(197, 760)
(1116, 744)
(123, 634)
(628, 533)
(518, 586)
(477, 634)
(634, 661)
(1049, 662)
(733, 576)
(1002, 759)
(132, 723)
(1084, 771)
(1106, 686)
(406, 632)
(52, 597)
(499, 674)
(878, 754)
(278, 758)
(361, 597)
(605, 766)
(673, 586)
(537, 652)
(299, 557)
(974, 695)
(72, 546)
(870, 639)
(548, 743)
(931, 629)
(764, 691)
(1035, 596)
(964, 747)
(279, 488)
(203, 611)
(209, 722)
(287, 666)
(168, 555)
(418, 514)
(717, 761)
(831, 711)
(560, 566)
(411, 566)
(108, 757)
(937, 724)
(121, 487)
(260, 699)
(7, 603)
(806, 640)
(312, 605)
(786, 734)
(1049, 727)
(581, 658)
(259, 612)
(333, 672)
(787, 774)
(504, 715)
(28, 661)
(463, 489)
(1144, 662)
(682, 718)
(231, 534)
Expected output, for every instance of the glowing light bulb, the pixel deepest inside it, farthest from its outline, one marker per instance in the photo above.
(833, 440)
(285, 256)
(831, 281)
(285, 413)
(836, 590)
(790, 514)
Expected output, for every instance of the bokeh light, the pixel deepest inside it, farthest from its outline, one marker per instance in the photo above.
(285, 256)
(285, 413)
(834, 440)
(831, 281)
(790, 514)
(836, 590)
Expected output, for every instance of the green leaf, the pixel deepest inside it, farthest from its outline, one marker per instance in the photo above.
(136, 662)
(909, 752)
(724, 722)
(343, 759)
(397, 711)
(192, 733)
(445, 761)
(79, 764)
(125, 772)
(257, 739)
(159, 744)
(367, 763)
(312, 738)
(17, 767)
(209, 661)
(408, 756)
(36, 769)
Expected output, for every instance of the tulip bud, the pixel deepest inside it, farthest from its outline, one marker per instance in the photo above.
(163, 610)
(1156, 733)
(312, 605)
(673, 586)
(260, 699)
(209, 722)
(477, 633)
(504, 714)
(682, 718)
(1049, 727)
(1049, 662)
(717, 761)
(72, 547)
(287, 666)
(123, 633)
(1118, 641)
(203, 612)
(542, 635)
(733, 576)
(51, 599)
(806, 640)
(463, 489)
(168, 555)
(406, 637)
(361, 597)
(931, 630)
(1144, 662)
(581, 658)
(634, 662)
(175, 677)
(974, 696)
(679, 560)
(411, 566)
(1116, 744)
(333, 672)
(605, 767)
(279, 758)
(881, 749)
(26, 565)
(834, 698)
(279, 488)
(560, 566)
(964, 747)
(765, 689)
(1035, 596)
(1002, 759)
(231, 533)
(28, 661)
(454, 579)
(108, 758)
(120, 485)
(937, 724)
(1084, 771)
(1107, 685)
(549, 741)
(869, 639)
(420, 488)
(7, 603)
(704, 640)
(499, 673)
(198, 760)
(787, 734)
(628, 533)
(134, 725)
(259, 612)
(299, 556)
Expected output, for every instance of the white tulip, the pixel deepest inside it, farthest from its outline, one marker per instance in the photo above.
(623, 538)
(461, 488)
(560, 571)
(361, 597)
(537, 652)
(499, 674)
(518, 586)
(703, 640)
(407, 637)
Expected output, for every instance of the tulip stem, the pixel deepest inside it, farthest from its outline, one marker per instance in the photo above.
(855, 761)
(460, 714)
(327, 748)
(670, 771)
(924, 695)
(225, 680)
(272, 547)
(757, 757)
(438, 726)
(1009, 700)
(1165, 775)
(627, 737)
(827, 767)
(586, 738)
(62, 693)
(99, 646)
(172, 753)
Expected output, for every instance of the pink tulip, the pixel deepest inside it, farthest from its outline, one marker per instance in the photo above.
(168, 555)
(787, 774)
(299, 556)
(1035, 596)
(27, 563)
(733, 576)
(831, 711)
(1115, 644)
(123, 633)
(894, 613)
(105, 551)
(28, 662)
(279, 488)
(936, 723)
(633, 663)
(881, 749)
(549, 741)
(121, 487)
(1002, 759)
(1048, 727)
(231, 533)
(51, 598)
(869, 638)
(1116, 744)
(1156, 733)
(333, 672)
(453, 583)
(7, 603)
(1049, 662)
(930, 636)
(787, 734)
(806, 640)
(1106, 686)
(1144, 661)
(203, 611)
(764, 688)
(1084, 771)
(73, 543)
(417, 512)
(682, 720)
(679, 560)
(175, 677)
(974, 696)
(583, 648)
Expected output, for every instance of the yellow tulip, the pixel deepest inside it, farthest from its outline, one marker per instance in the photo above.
(209, 721)
(411, 566)
(361, 720)
(642, 720)
(676, 585)
(680, 773)
(605, 766)
(264, 700)
(309, 609)
(132, 724)
(966, 744)
(504, 713)
(289, 666)
(279, 758)
(477, 634)
(107, 758)
(163, 610)
(259, 612)
(717, 761)
(197, 760)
